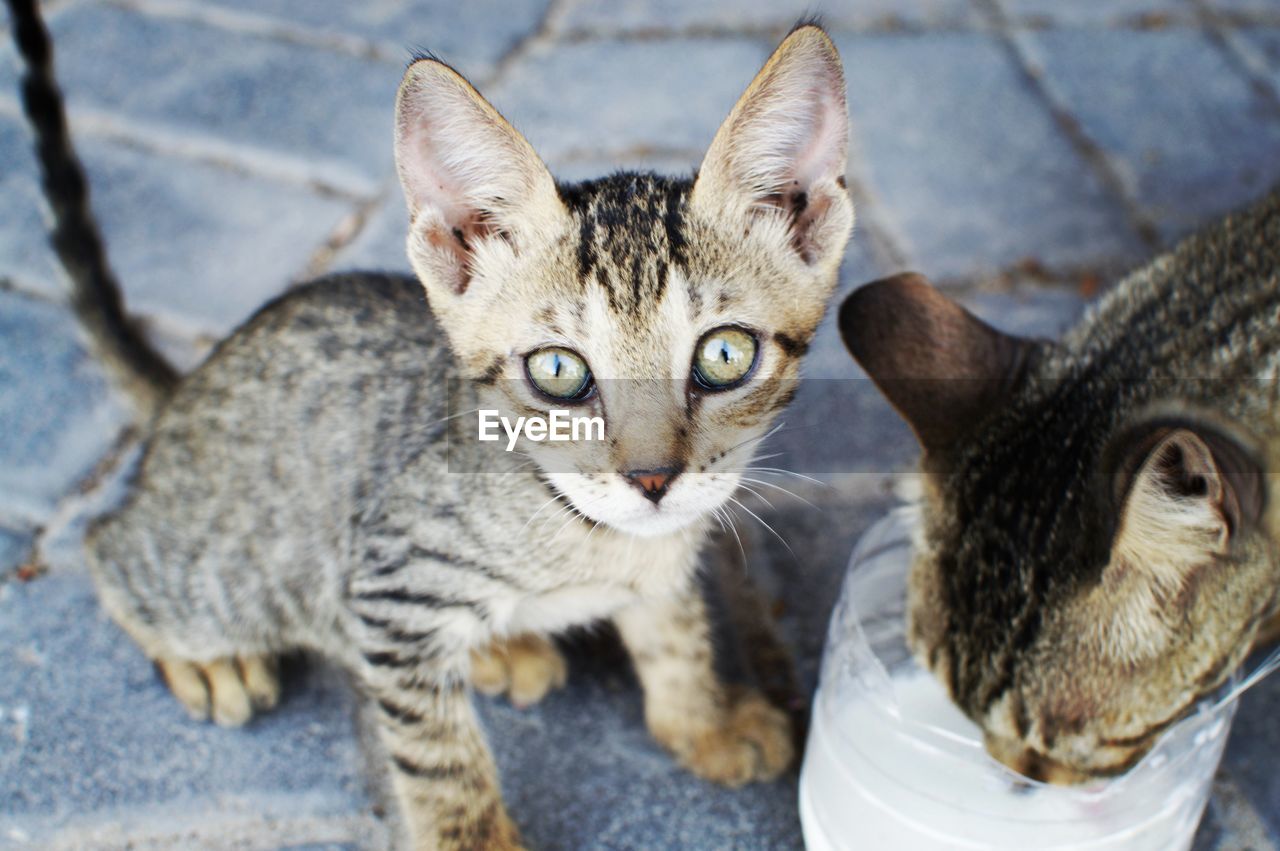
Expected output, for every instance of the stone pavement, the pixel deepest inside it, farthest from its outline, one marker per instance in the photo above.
(1020, 151)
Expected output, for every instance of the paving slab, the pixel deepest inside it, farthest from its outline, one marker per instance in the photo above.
(974, 174)
(26, 259)
(103, 745)
(196, 244)
(57, 411)
(14, 546)
(1190, 136)
(380, 244)
(95, 751)
(199, 244)
(665, 16)
(473, 35)
(1265, 10)
(1149, 13)
(581, 771)
(311, 112)
(1251, 751)
(612, 97)
(1265, 43)
(1029, 311)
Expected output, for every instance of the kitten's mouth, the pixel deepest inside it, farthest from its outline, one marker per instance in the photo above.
(649, 521)
(651, 508)
(1042, 768)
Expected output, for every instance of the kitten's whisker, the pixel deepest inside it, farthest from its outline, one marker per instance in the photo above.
(558, 513)
(767, 457)
(734, 529)
(789, 493)
(567, 506)
(755, 439)
(765, 525)
(577, 514)
(715, 515)
(780, 471)
(756, 494)
(453, 417)
(539, 511)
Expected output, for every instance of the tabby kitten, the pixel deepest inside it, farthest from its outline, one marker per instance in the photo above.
(1101, 539)
(313, 484)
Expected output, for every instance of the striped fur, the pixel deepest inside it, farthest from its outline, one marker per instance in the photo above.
(1102, 537)
(317, 484)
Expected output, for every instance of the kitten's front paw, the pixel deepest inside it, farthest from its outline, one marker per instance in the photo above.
(525, 668)
(753, 743)
(229, 689)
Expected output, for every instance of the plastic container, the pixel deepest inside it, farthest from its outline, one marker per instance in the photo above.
(892, 764)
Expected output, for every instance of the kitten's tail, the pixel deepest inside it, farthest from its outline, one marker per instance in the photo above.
(138, 368)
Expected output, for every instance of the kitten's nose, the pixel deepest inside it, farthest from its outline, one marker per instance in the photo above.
(652, 483)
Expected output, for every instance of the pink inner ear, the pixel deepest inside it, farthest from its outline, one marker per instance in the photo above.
(427, 182)
(823, 155)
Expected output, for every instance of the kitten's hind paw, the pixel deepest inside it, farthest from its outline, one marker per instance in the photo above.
(525, 668)
(229, 689)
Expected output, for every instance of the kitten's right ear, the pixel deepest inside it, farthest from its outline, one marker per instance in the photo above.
(470, 179)
(939, 365)
(782, 152)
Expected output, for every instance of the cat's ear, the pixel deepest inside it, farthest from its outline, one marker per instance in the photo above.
(939, 365)
(1185, 490)
(469, 178)
(781, 153)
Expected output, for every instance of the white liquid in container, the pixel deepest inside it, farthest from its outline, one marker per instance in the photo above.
(892, 764)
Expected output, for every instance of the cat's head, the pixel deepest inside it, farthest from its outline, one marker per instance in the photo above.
(675, 309)
(1093, 558)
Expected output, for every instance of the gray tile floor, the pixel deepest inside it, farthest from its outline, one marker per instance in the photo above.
(1022, 152)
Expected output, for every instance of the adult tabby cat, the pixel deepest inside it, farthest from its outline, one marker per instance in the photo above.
(1102, 539)
(295, 489)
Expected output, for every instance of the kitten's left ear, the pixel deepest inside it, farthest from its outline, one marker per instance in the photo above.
(783, 149)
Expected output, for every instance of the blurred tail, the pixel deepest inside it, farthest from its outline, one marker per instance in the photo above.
(138, 368)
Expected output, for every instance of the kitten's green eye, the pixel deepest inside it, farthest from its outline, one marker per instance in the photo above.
(559, 373)
(723, 358)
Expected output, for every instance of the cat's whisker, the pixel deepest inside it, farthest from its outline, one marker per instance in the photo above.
(723, 511)
(451, 417)
(789, 493)
(716, 517)
(577, 514)
(539, 511)
(756, 494)
(555, 515)
(594, 526)
(780, 471)
(566, 506)
(759, 520)
(757, 439)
